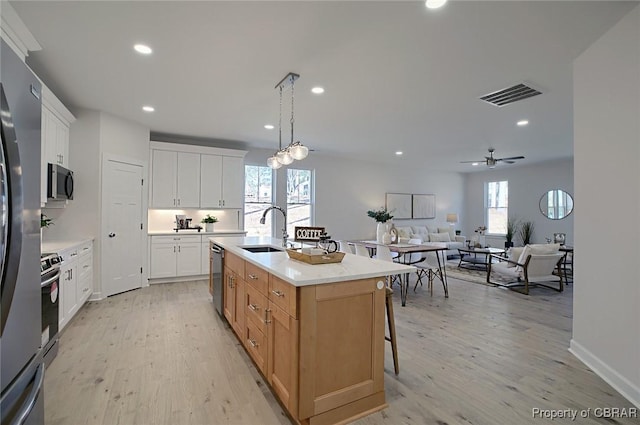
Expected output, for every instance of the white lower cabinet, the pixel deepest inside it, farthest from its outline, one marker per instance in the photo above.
(175, 256)
(76, 280)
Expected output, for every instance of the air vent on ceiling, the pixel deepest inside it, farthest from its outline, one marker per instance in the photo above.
(510, 94)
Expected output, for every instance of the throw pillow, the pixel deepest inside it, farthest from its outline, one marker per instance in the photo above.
(514, 255)
(439, 237)
(420, 230)
(404, 232)
(449, 230)
(526, 251)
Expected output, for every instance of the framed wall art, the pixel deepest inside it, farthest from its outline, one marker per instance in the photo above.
(423, 206)
(399, 205)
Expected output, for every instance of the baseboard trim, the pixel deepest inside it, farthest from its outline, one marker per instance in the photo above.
(626, 388)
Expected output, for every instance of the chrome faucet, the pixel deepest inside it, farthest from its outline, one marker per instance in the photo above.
(285, 236)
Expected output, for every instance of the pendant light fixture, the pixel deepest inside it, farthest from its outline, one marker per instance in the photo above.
(294, 150)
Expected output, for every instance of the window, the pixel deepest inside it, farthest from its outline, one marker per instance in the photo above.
(497, 206)
(258, 190)
(299, 199)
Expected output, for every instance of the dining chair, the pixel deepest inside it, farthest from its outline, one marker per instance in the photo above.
(344, 247)
(383, 253)
(362, 250)
(430, 268)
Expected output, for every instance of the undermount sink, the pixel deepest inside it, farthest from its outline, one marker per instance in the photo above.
(261, 249)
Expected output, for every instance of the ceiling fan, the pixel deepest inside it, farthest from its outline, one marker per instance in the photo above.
(492, 162)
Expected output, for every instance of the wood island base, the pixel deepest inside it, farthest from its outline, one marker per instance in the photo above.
(320, 347)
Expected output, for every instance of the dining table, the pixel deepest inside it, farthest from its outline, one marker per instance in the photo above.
(404, 251)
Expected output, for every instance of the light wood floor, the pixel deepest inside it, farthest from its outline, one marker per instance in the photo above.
(160, 355)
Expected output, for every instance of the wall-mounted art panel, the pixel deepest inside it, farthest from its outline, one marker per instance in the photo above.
(399, 205)
(423, 206)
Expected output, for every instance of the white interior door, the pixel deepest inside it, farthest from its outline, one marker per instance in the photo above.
(122, 255)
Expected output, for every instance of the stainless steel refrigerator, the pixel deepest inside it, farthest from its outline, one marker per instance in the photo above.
(22, 369)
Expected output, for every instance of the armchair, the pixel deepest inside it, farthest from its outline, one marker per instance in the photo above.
(532, 271)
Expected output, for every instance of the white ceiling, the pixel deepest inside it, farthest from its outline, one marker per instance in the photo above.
(397, 75)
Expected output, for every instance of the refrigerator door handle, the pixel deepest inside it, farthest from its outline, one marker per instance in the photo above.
(30, 401)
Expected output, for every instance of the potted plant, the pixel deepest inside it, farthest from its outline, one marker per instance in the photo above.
(512, 229)
(526, 232)
(381, 216)
(45, 221)
(208, 222)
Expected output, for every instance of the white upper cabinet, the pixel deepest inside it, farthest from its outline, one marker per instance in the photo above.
(186, 176)
(222, 181)
(164, 178)
(188, 193)
(232, 182)
(56, 120)
(175, 179)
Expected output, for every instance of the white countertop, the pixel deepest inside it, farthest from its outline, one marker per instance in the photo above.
(298, 273)
(195, 232)
(57, 246)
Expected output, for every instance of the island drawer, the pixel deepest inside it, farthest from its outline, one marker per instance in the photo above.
(283, 295)
(257, 277)
(234, 263)
(256, 308)
(256, 345)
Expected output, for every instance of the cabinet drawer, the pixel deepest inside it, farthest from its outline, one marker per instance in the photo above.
(257, 277)
(256, 345)
(85, 265)
(283, 295)
(176, 239)
(85, 249)
(234, 263)
(256, 305)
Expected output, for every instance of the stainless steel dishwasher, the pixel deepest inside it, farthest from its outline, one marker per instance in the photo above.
(216, 260)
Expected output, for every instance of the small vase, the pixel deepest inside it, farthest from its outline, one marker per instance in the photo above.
(380, 231)
(208, 227)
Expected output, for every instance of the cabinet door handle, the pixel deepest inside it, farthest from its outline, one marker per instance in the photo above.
(174, 201)
(253, 343)
(277, 293)
(253, 276)
(266, 316)
(174, 248)
(254, 307)
(112, 235)
(179, 248)
(223, 203)
(178, 201)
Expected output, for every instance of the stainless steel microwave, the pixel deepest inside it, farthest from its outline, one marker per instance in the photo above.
(59, 183)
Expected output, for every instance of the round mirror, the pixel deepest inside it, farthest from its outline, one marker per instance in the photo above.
(556, 204)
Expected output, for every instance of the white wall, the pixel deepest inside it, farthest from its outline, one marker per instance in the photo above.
(527, 184)
(93, 134)
(606, 313)
(346, 190)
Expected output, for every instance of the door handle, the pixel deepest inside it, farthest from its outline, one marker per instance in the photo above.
(112, 235)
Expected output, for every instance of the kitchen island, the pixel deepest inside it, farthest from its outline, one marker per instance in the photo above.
(316, 332)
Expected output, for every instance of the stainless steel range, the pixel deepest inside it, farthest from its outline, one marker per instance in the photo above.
(50, 288)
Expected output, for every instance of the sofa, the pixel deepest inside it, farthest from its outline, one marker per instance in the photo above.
(442, 234)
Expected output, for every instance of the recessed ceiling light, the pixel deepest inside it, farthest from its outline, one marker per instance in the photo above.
(269, 126)
(475, 164)
(398, 153)
(317, 90)
(522, 123)
(143, 48)
(148, 108)
(435, 4)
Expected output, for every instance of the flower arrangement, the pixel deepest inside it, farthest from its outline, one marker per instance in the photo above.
(209, 219)
(381, 215)
(481, 229)
(45, 221)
